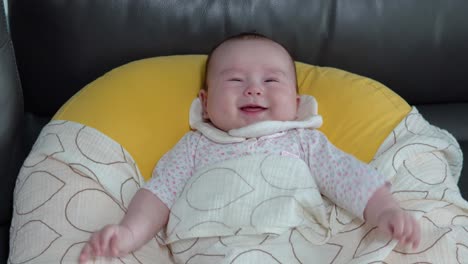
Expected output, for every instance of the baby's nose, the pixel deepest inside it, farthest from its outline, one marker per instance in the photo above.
(253, 90)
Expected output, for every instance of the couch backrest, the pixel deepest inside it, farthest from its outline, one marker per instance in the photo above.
(418, 48)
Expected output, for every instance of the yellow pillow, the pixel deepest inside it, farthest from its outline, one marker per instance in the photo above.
(144, 106)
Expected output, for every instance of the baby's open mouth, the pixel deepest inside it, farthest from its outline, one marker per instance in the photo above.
(252, 108)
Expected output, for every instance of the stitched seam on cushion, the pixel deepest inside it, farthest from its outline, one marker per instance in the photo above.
(13, 58)
(379, 88)
(12, 54)
(12, 51)
(3, 44)
(2, 7)
(4, 23)
(330, 32)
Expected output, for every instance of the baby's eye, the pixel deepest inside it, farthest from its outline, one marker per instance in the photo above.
(271, 80)
(235, 80)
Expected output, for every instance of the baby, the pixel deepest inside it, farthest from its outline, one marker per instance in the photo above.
(250, 105)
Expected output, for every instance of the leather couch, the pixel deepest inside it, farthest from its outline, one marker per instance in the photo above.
(417, 48)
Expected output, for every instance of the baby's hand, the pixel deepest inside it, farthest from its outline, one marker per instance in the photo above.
(111, 241)
(401, 226)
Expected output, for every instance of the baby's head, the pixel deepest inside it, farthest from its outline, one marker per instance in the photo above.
(249, 78)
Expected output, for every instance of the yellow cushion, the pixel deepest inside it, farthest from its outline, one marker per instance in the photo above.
(358, 112)
(144, 106)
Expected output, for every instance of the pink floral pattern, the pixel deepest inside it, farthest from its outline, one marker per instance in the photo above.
(341, 177)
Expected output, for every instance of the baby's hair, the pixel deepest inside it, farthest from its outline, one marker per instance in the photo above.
(243, 36)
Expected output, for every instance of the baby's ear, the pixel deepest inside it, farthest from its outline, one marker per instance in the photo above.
(203, 96)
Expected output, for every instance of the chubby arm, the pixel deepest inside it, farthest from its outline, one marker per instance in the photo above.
(146, 216)
(383, 211)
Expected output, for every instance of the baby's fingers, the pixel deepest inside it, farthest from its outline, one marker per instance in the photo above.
(407, 236)
(416, 233)
(85, 253)
(104, 240)
(397, 226)
(412, 232)
(114, 250)
(93, 243)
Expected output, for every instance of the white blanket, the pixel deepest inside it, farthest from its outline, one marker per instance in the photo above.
(249, 196)
(227, 214)
(77, 180)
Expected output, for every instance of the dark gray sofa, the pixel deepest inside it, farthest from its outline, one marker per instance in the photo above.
(417, 48)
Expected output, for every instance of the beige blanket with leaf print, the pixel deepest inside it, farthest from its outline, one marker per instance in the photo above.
(77, 180)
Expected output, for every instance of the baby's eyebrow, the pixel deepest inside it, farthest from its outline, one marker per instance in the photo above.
(276, 71)
(230, 70)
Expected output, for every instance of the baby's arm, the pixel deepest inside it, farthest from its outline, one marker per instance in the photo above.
(383, 211)
(146, 215)
(357, 187)
(148, 211)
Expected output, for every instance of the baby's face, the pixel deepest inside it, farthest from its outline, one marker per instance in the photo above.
(249, 81)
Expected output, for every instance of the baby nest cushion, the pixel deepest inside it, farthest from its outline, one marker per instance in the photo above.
(105, 141)
(144, 106)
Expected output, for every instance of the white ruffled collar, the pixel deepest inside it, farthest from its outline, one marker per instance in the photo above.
(307, 118)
